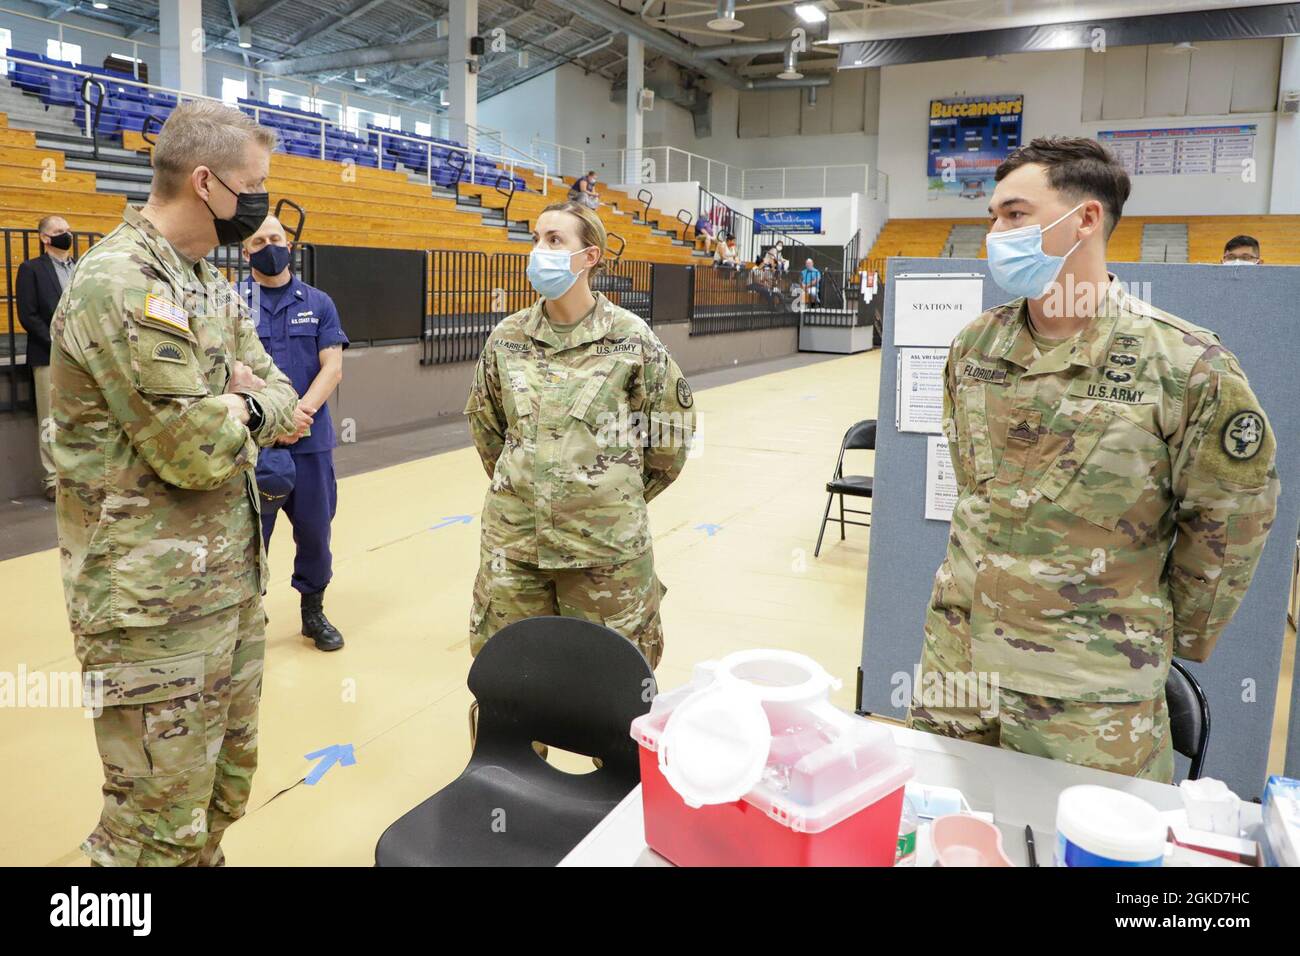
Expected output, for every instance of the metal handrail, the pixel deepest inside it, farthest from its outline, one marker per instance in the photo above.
(622, 244)
(510, 196)
(302, 215)
(93, 122)
(645, 203)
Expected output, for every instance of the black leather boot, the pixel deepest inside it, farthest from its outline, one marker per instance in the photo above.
(317, 626)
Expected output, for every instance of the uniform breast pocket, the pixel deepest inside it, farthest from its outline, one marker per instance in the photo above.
(1105, 468)
(516, 393)
(601, 401)
(975, 443)
(303, 349)
(166, 363)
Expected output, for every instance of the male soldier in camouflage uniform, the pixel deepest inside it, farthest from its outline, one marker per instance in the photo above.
(161, 395)
(1116, 486)
(578, 428)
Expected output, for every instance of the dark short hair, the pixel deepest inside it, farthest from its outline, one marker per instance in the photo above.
(1080, 168)
(1237, 242)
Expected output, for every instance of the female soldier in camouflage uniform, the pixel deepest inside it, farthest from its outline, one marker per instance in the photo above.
(581, 417)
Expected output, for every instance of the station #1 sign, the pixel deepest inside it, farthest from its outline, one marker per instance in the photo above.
(807, 219)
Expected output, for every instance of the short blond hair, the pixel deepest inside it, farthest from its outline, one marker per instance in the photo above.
(203, 133)
(590, 229)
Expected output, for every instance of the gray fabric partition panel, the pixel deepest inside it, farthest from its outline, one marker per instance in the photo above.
(1256, 313)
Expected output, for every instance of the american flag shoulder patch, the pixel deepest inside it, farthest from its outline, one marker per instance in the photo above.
(167, 312)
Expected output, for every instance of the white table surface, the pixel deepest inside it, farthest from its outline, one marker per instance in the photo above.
(1016, 788)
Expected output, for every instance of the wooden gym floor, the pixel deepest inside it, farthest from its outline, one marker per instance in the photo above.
(401, 596)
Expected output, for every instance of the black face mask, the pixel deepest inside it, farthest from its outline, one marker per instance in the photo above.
(62, 242)
(250, 213)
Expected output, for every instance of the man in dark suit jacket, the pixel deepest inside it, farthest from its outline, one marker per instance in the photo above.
(39, 287)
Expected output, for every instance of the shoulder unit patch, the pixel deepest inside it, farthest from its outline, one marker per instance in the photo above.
(170, 352)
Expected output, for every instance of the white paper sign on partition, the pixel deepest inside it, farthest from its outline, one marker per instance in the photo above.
(920, 390)
(930, 310)
(940, 482)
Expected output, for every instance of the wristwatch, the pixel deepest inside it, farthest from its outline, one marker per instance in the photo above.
(255, 417)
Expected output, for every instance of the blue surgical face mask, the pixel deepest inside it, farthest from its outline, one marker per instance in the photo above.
(270, 260)
(549, 271)
(1019, 264)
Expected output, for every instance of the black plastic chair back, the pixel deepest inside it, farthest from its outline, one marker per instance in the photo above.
(564, 682)
(1189, 716)
(861, 436)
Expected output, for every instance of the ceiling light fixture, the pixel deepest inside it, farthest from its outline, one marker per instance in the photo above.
(726, 20)
(791, 71)
(100, 5)
(358, 76)
(245, 37)
(810, 13)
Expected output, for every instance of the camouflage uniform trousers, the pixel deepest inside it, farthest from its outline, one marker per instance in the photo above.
(624, 597)
(177, 735)
(1128, 738)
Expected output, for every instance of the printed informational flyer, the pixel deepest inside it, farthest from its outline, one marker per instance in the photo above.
(920, 390)
(940, 482)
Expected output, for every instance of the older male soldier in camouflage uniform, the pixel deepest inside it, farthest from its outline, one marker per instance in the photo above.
(1116, 486)
(581, 417)
(161, 395)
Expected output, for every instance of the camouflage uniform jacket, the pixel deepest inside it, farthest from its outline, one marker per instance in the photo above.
(1114, 496)
(157, 507)
(578, 430)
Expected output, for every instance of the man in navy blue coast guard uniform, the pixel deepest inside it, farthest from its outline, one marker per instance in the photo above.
(299, 327)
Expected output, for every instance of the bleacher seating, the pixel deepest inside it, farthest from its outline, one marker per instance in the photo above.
(127, 107)
(1278, 235)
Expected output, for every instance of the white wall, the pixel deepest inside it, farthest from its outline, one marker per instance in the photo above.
(1052, 84)
(523, 113)
(1285, 196)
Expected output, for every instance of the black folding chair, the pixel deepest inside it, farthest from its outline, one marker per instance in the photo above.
(564, 682)
(861, 436)
(1189, 716)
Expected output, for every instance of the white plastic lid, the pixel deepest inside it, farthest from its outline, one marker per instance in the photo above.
(1110, 823)
(776, 675)
(715, 746)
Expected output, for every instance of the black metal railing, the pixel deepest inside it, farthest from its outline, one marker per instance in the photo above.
(18, 246)
(739, 300)
(748, 299)
(93, 110)
(470, 292)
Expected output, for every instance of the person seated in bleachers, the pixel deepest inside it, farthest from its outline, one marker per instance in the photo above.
(1242, 251)
(704, 230)
(778, 256)
(725, 255)
(583, 190)
(810, 279)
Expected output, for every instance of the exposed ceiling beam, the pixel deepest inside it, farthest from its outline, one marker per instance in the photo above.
(315, 31)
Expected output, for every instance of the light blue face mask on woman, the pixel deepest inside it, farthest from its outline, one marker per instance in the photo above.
(549, 271)
(1019, 264)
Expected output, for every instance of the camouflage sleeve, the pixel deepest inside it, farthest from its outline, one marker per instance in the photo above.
(959, 470)
(670, 405)
(190, 440)
(1226, 488)
(278, 398)
(487, 418)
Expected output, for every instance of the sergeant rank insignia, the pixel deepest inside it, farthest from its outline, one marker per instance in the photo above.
(1243, 435)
